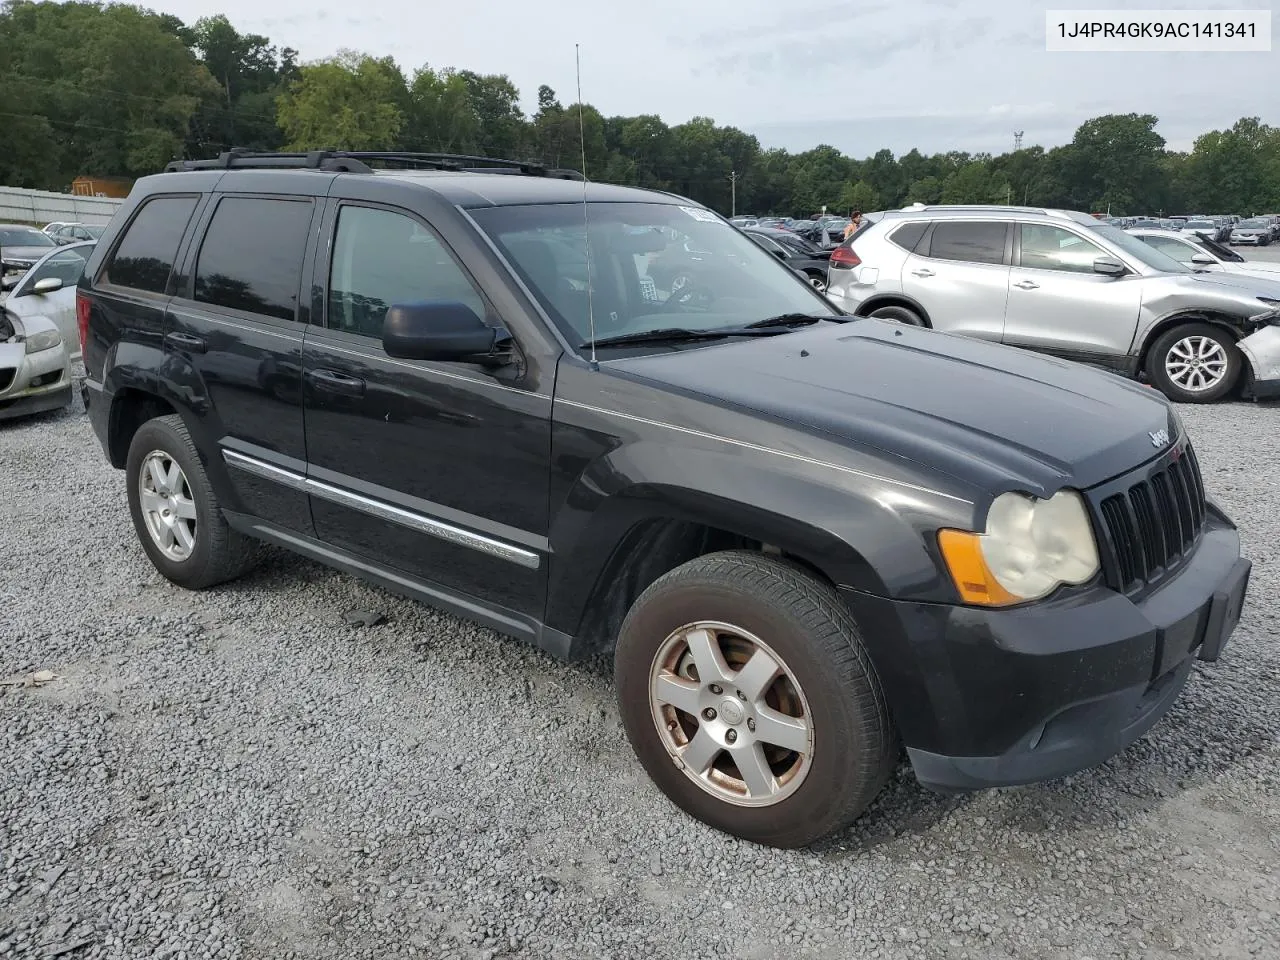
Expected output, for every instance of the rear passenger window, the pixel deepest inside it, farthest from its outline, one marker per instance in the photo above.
(908, 235)
(144, 259)
(970, 242)
(381, 258)
(251, 258)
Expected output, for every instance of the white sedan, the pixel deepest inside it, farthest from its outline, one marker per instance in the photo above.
(35, 368)
(1201, 253)
(48, 290)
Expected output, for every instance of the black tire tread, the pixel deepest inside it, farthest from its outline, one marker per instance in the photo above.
(231, 554)
(827, 622)
(1155, 364)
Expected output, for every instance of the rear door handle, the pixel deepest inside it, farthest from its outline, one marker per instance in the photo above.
(184, 341)
(1027, 285)
(923, 273)
(330, 381)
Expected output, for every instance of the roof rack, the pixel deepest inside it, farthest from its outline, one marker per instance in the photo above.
(362, 161)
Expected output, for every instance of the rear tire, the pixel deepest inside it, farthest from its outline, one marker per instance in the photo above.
(176, 513)
(904, 315)
(1194, 363)
(823, 699)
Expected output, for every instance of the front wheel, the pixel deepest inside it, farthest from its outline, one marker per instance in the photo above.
(818, 282)
(1194, 363)
(748, 697)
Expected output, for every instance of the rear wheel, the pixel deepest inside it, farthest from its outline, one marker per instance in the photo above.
(1194, 363)
(903, 315)
(818, 282)
(175, 512)
(747, 695)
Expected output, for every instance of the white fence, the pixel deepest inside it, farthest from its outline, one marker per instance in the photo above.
(42, 206)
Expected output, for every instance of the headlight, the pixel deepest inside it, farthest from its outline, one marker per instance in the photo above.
(1029, 549)
(44, 340)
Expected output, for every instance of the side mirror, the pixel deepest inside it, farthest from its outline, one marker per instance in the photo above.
(438, 330)
(1109, 267)
(1202, 260)
(47, 285)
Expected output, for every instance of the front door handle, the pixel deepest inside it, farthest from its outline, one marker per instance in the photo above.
(924, 272)
(1027, 285)
(185, 341)
(330, 381)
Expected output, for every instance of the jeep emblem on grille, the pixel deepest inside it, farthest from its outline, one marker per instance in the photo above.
(1159, 438)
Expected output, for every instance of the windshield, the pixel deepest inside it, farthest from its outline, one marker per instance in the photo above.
(24, 237)
(1254, 224)
(1199, 225)
(652, 266)
(1140, 250)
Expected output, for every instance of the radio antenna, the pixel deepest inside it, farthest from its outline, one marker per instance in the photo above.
(586, 208)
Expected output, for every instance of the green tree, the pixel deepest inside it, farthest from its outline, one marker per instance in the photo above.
(441, 118)
(250, 74)
(1115, 161)
(496, 103)
(349, 102)
(92, 89)
(858, 196)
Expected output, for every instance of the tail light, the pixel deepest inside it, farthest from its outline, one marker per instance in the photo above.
(82, 320)
(845, 257)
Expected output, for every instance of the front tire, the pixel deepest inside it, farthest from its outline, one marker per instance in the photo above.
(176, 513)
(747, 695)
(1194, 363)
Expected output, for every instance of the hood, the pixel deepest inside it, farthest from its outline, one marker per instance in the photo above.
(1255, 268)
(23, 254)
(1248, 286)
(991, 416)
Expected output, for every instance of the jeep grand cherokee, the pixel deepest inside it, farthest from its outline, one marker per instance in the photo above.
(805, 538)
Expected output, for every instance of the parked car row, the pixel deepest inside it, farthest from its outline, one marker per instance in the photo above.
(1071, 286)
(1233, 229)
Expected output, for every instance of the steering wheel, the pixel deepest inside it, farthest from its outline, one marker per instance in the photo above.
(687, 294)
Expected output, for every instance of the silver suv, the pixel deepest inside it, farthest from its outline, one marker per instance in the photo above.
(1066, 284)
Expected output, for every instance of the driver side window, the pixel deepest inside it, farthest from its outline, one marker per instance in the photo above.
(381, 258)
(1046, 247)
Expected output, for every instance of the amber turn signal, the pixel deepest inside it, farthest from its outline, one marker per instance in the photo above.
(962, 552)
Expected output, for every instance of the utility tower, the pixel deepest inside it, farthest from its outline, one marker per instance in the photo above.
(733, 183)
(1017, 140)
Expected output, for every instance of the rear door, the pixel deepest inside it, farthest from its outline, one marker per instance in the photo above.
(1059, 305)
(959, 273)
(234, 335)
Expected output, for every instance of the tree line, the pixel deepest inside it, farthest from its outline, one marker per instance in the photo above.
(117, 90)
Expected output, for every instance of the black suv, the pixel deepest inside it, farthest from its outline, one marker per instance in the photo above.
(805, 538)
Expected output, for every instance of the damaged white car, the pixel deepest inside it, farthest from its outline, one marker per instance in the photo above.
(1063, 283)
(35, 367)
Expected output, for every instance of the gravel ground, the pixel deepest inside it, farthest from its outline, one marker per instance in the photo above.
(242, 774)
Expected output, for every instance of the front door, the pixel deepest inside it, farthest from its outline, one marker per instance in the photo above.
(960, 275)
(1059, 305)
(437, 469)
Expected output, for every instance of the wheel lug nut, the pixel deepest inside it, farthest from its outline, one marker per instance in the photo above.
(751, 724)
(731, 735)
(717, 689)
(742, 696)
(708, 714)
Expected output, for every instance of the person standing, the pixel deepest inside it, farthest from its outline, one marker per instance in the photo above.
(855, 221)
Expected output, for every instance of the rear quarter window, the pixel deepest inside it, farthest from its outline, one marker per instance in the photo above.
(909, 235)
(144, 258)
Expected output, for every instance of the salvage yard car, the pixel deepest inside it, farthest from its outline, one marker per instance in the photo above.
(806, 539)
(35, 367)
(1063, 283)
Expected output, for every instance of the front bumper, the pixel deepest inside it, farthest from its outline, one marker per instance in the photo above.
(1262, 350)
(50, 371)
(986, 698)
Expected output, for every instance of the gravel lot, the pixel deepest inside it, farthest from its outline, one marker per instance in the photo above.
(242, 774)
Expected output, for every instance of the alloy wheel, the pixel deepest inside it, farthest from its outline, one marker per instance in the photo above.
(1196, 363)
(167, 505)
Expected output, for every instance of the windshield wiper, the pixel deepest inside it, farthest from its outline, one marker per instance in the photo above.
(680, 335)
(793, 320)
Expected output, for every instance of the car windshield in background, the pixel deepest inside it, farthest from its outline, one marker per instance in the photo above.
(1199, 225)
(1254, 224)
(1140, 250)
(652, 266)
(24, 237)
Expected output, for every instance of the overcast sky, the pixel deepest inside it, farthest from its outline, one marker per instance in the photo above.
(860, 75)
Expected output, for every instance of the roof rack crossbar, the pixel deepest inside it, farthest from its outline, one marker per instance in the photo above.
(358, 161)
